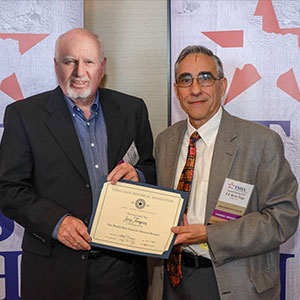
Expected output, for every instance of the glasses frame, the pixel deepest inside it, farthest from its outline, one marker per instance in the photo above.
(197, 78)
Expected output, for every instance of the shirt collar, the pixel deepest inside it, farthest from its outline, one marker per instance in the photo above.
(94, 107)
(208, 131)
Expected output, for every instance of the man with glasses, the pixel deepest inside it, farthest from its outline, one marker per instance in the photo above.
(242, 194)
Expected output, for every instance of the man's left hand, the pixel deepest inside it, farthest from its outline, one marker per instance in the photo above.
(123, 171)
(190, 233)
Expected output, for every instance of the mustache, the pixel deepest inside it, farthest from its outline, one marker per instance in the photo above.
(79, 79)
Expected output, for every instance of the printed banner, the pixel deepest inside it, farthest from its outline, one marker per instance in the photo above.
(258, 42)
(28, 31)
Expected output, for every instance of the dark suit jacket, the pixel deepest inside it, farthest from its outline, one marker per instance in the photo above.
(43, 176)
(244, 252)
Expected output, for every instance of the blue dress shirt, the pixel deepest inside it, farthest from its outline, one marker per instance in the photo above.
(93, 141)
(92, 136)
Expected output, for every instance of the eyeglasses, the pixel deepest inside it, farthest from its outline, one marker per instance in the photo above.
(204, 79)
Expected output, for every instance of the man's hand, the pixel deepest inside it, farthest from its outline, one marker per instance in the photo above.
(73, 233)
(190, 234)
(123, 171)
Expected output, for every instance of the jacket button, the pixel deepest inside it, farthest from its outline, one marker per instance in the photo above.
(86, 221)
(87, 186)
(83, 257)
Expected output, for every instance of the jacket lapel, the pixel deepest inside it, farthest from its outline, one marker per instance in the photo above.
(223, 156)
(59, 122)
(174, 147)
(115, 125)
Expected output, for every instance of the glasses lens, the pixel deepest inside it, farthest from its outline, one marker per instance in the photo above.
(206, 79)
(185, 80)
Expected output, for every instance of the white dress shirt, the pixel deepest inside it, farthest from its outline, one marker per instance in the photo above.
(198, 194)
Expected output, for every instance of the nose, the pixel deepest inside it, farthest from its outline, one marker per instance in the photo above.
(196, 88)
(80, 69)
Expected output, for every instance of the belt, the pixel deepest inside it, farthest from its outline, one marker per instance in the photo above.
(95, 253)
(193, 261)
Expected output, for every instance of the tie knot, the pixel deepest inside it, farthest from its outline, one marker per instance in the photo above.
(194, 137)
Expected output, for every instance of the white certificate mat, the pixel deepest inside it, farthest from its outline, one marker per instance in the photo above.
(137, 218)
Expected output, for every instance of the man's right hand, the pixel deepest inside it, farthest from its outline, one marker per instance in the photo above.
(73, 233)
(188, 234)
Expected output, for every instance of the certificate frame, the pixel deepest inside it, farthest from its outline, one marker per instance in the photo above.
(127, 242)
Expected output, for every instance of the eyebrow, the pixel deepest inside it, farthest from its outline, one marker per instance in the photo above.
(200, 73)
(206, 72)
(90, 59)
(75, 59)
(69, 58)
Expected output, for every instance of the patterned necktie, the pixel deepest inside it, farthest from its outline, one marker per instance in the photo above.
(184, 184)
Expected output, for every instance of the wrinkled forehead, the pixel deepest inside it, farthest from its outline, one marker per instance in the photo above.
(79, 46)
(196, 63)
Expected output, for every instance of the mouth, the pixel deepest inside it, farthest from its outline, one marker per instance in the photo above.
(197, 101)
(78, 83)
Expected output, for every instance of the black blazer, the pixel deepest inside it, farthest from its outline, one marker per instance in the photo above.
(43, 176)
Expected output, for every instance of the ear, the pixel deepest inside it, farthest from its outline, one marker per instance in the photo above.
(176, 90)
(223, 86)
(55, 65)
(103, 67)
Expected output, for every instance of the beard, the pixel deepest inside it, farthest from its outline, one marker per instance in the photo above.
(73, 94)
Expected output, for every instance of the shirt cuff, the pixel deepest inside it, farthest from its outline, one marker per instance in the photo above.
(141, 175)
(56, 228)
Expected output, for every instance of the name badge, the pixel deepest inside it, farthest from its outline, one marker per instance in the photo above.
(232, 202)
(131, 156)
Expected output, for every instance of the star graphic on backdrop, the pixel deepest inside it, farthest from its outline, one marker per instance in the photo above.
(244, 78)
(10, 85)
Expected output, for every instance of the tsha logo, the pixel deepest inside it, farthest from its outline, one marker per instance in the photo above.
(232, 186)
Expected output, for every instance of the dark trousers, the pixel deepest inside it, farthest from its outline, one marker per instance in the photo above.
(196, 284)
(111, 278)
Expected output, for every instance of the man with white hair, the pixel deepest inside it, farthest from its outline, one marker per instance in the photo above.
(55, 148)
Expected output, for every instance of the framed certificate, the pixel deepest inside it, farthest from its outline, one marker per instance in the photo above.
(137, 218)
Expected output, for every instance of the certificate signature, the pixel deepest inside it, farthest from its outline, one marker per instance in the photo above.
(135, 220)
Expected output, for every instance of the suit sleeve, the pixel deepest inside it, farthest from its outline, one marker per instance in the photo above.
(145, 146)
(273, 216)
(18, 198)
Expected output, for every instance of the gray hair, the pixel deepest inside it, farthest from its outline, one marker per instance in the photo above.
(201, 50)
(101, 46)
